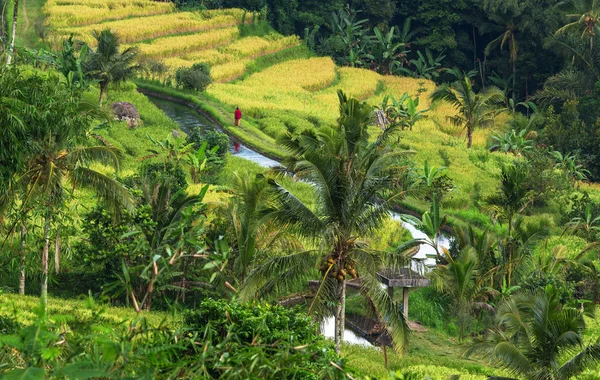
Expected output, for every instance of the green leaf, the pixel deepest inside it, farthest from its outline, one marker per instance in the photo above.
(31, 373)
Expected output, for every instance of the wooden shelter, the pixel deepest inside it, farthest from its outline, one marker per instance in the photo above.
(404, 278)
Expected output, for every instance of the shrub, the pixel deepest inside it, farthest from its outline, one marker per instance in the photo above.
(261, 341)
(196, 77)
(213, 138)
(8, 325)
(155, 172)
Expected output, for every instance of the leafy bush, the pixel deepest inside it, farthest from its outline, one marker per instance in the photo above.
(213, 138)
(8, 325)
(196, 77)
(155, 172)
(261, 341)
(105, 246)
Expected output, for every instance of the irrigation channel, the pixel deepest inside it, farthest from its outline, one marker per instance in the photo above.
(188, 119)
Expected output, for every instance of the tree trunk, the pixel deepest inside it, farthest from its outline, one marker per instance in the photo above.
(469, 137)
(23, 258)
(12, 50)
(45, 259)
(340, 315)
(509, 246)
(102, 91)
(475, 51)
(57, 253)
(2, 24)
(514, 83)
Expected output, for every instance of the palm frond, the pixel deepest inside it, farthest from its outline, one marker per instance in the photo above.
(108, 189)
(278, 274)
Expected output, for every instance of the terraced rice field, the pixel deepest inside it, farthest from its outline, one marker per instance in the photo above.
(288, 96)
(179, 39)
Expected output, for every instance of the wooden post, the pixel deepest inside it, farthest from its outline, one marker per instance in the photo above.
(405, 302)
(390, 292)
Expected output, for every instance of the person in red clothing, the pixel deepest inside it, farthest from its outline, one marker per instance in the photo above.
(238, 116)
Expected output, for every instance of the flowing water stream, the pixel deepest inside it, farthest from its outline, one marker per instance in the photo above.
(188, 119)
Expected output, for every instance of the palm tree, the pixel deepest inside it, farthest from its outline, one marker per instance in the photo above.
(537, 337)
(475, 110)
(107, 64)
(505, 25)
(583, 15)
(254, 233)
(356, 182)
(512, 199)
(483, 243)
(59, 162)
(463, 280)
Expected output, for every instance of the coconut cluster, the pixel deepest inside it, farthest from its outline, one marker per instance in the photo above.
(332, 268)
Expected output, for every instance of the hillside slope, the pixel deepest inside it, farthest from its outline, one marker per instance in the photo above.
(277, 84)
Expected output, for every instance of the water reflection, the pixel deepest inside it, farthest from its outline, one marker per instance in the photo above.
(328, 331)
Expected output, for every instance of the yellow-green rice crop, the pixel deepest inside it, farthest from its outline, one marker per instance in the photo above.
(285, 86)
(155, 26)
(229, 62)
(72, 13)
(357, 83)
(179, 45)
(255, 46)
(229, 71)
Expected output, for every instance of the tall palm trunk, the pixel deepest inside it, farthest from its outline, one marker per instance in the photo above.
(23, 258)
(12, 49)
(45, 259)
(469, 137)
(103, 86)
(514, 82)
(340, 315)
(57, 252)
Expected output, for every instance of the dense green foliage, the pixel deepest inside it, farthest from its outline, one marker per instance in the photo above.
(196, 77)
(238, 342)
(151, 218)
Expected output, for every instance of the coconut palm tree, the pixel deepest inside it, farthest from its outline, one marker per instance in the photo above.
(464, 281)
(356, 183)
(107, 64)
(60, 157)
(474, 110)
(584, 16)
(254, 233)
(505, 25)
(537, 337)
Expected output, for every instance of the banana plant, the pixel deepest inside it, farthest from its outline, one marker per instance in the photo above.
(403, 112)
(411, 113)
(388, 51)
(198, 160)
(173, 149)
(426, 66)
